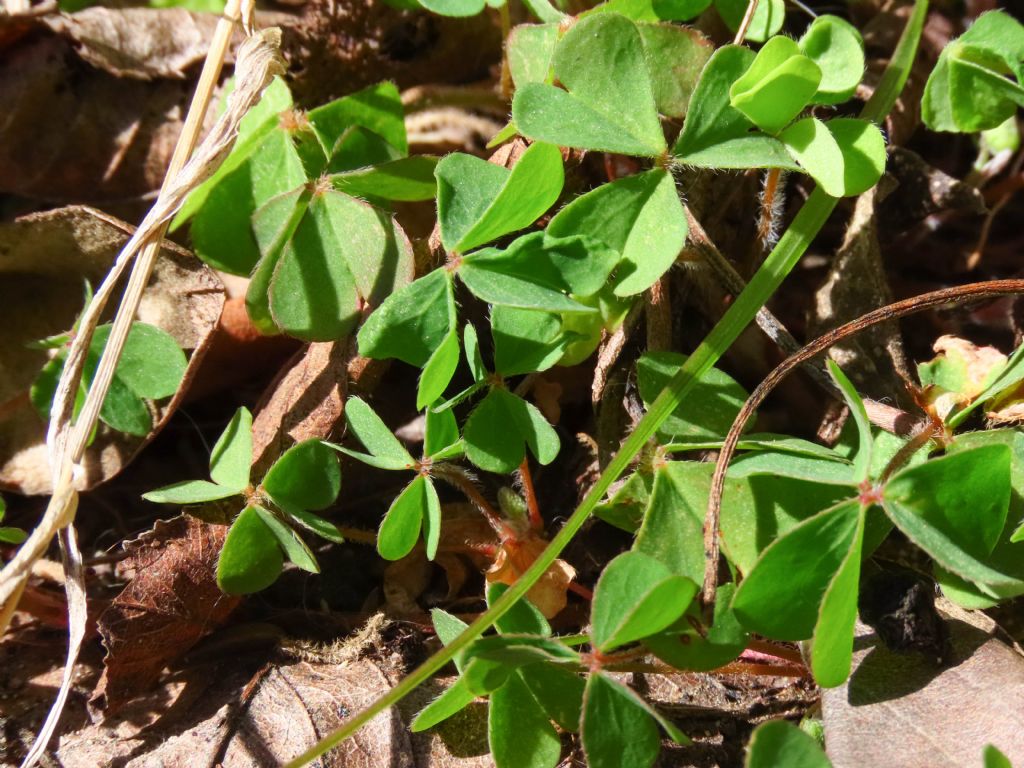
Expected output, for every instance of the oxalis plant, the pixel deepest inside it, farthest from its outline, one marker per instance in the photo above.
(151, 367)
(306, 478)
(327, 259)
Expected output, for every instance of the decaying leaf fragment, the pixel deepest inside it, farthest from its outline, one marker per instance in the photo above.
(514, 557)
(44, 260)
(958, 373)
(141, 43)
(172, 601)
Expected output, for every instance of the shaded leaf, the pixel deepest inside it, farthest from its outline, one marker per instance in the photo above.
(616, 728)
(232, 453)
(408, 179)
(672, 532)
(306, 476)
(710, 408)
(291, 544)
(520, 734)
(636, 596)
(954, 507)
(501, 427)
(343, 252)
(767, 20)
(685, 647)
(251, 559)
(411, 323)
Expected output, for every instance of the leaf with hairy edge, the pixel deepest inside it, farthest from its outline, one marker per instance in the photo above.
(478, 201)
(639, 216)
(609, 104)
(636, 596)
(716, 134)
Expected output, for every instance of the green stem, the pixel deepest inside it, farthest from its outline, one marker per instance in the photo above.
(780, 261)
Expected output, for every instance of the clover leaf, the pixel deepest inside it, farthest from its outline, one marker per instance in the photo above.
(968, 90)
(151, 367)
(417, 506)
(306, 477)
(777, 85)
(609, 102)
(636, 596)
(479, 201)
(837, 48)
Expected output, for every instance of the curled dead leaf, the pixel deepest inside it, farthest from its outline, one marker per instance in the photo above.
(549, 594)
(958, 373)
(171, 602)
(44, 259)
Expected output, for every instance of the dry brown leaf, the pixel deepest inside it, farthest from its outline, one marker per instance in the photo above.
(976, 364)
(172, 601)
(43, 260)
(81, 125)
(549, 594)
(73, 133)
(241, 712)
(232, 718)
(141, 43)
(902, 711)
(308, 400)
(857, 283)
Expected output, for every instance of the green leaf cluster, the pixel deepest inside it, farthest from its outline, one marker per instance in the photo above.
(970, 89)
(532, 681)
(417, 507)
(528, 678)
(743, 111)
(151, 367)
(305, 479)
(301, 206)
(954, 507)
